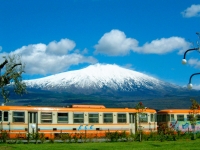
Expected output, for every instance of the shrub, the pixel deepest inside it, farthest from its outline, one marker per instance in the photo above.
(3, 136)
(64, 136)
(42, 137)
(36, 136)
(75, 137)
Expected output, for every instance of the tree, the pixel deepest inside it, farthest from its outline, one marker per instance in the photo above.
(139, 107)
(11, 75)
(193, 115)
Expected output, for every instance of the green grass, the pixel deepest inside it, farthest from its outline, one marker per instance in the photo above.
(145, 145)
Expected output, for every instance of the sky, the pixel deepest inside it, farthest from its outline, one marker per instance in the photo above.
(147, 36)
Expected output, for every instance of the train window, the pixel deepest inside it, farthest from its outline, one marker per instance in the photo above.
(46, 117)
(163, 118)
(152, 118)
(198, 117)
(167, 117)
(93, 118)
(172, 117)
(188, 117)
(121, 118)
(180, 117)
(62, 117)
(108, 118)
(78, 118)
(5, 116)
(143, 117)
(18, 116)
(159, 118)
(32, 117)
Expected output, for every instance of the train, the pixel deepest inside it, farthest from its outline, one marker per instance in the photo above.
(19, 121)
(179, 120)
(87, 119)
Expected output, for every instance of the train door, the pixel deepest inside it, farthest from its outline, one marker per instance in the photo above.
(132, 122)
(32, 122)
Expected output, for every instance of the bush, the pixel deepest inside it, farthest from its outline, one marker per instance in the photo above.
(42, 137)
(116, 136)
(64, 137)
(3, 136)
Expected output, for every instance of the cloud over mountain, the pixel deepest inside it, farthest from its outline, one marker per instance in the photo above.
(164, 45)
(60, 48)
(58, 56)
(115, 43)
(51, 58)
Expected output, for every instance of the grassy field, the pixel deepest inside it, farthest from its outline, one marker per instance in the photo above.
(146, 145)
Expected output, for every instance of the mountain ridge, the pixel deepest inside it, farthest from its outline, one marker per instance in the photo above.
(105, 78)
(105, 84)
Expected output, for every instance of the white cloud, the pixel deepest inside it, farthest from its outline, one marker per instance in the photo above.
(60, 48)
(85, 51)
(192, 11)
(52, 58)
(194, 63)
(115, 43)
(196, 87)
(164, 45)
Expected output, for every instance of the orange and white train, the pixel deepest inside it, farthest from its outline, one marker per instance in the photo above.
(75, 119)
(179, 119)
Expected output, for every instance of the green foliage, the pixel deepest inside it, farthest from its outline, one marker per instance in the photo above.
(64, 137)
(3, 136)
(193, 137)
(194, 105)
(139, 107)
(28, 137)
(52, 140)
(194, 110)
(111, 137)
(11, 73)
(75, 137)
(36, 136)
(19, 137)
(153, 136)
(116, 136)
(42, 137)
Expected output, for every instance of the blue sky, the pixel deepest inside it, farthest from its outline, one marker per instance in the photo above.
(53, 36)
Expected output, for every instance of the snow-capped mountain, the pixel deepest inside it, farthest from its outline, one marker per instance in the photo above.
(103, 79)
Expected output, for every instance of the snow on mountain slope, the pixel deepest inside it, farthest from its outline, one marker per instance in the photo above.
(96, 77)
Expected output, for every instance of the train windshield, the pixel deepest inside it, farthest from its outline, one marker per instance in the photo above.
(3, 115)
(163, 117)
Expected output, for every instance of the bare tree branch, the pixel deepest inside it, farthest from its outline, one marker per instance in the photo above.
(3, 64)
(11, 76)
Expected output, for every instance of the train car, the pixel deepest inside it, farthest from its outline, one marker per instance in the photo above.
(178, 119)
(52, 121)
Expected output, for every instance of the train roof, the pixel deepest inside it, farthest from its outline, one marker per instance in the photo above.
(74, 108)
(176, 111)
